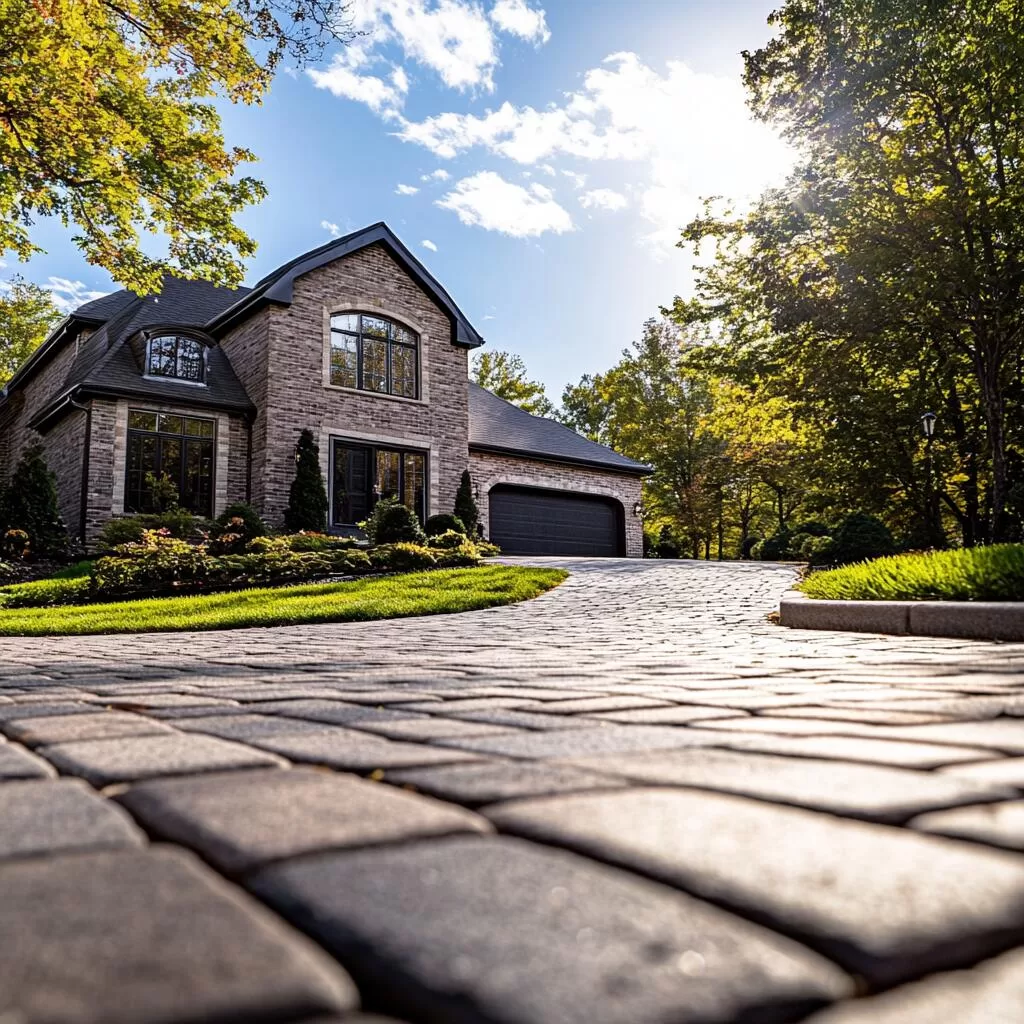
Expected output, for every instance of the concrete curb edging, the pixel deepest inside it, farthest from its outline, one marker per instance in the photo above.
(968, 620)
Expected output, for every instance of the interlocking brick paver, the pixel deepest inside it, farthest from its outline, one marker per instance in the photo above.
(992, 993)
(243, 819)
(103, 762)
(691, 637)
(151, 935)
(856, 891)
(418, 927)
(34, 732)
(59, 816)
(17, 763)
(1000, 825)
(852, 790)
(477, 784)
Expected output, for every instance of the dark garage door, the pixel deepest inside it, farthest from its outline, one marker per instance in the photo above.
(532, 522)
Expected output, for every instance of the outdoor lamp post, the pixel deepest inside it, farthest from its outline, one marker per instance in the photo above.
(928, 426)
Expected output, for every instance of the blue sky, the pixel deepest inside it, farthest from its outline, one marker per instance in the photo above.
(539, 157)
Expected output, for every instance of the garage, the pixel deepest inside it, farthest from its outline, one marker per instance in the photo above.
(530, 521)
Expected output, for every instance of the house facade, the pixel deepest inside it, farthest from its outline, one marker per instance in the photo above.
(355, 341)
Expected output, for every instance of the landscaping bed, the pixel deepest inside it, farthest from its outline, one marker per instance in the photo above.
(381, 597)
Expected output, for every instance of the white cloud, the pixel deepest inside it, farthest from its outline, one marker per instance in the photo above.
(486, 200)
(603, 199)
(439, 175)
(691, 130)
(515, 17)
(428, 244)
(67, 295)
(382, 98)
(578, 180)
(334, 230)
(400, 80)
(406, 190)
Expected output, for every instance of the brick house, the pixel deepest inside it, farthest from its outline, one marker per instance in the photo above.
(354, 340)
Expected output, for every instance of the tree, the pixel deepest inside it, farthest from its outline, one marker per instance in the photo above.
(307, 498)
(106, 123)
(27, 313)
(504, 374)
(465, 505)
(897, 243)
(31, 504)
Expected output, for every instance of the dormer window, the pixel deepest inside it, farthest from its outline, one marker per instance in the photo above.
(177, 357)
(372, 353)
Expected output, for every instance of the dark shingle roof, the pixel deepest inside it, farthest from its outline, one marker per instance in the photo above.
(498, 426)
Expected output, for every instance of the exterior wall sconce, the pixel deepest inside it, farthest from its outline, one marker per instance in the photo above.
(638, 509)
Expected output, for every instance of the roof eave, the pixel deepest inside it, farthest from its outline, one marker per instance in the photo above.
(522, 453)
(50, 345)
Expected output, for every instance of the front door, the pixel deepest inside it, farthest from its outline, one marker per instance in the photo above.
(363, 474)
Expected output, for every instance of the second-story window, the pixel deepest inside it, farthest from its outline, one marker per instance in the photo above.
(371, 353)
(174, 356)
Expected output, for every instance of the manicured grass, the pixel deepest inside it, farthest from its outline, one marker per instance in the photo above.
(993, 573)
(421, 593)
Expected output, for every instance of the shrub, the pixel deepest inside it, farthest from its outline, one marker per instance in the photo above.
(747, 547)
(402, 557)
(776, 547)
(451, 539)
(815, 550)
(756, 550)
(356, 562)
(176, 522)
(157, 561)
(163, 491)
(465, 505)
(668, 546)
(814, 527)
(485, 549)
(307, 498)
(391, 522)
(444, 523)
(252, 524)
(15, 544)
(857, 538)
(31, 504)
(318, 542)
(465, 554)
(993, 573)
(46, 593)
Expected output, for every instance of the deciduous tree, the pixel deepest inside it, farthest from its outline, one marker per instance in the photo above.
(27, 313)
(504, 374)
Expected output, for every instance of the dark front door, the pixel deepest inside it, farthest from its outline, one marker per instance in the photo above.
(361, 475)
(524, 521)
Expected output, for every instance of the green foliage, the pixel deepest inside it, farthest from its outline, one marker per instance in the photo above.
(504, 375)
(27, 314)
(177, 522)
(485, 549)
(431, 593)
(74, 571)
(31, 505)
(402, 557)
(993, 573)
(111, 124)
(443, 523)
(15, 544)
(319, 542)
(307, 498)
(46, 593)
(392, 522)
(163, 491)
(776, 547)
(252, 523)
(465, 505)
(448, 539)
(667, 546)
(856, 538)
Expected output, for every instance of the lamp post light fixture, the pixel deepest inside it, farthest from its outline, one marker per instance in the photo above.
(928, 424)
(933, 528)
(638, 509)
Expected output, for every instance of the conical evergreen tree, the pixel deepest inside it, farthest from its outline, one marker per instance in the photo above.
(31, 504)
(307, 499)
(465, 506)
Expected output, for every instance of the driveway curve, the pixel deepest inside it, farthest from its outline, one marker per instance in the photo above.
(633, 800)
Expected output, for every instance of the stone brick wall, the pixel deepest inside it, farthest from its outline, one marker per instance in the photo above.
(64, 446)
(292, 343)
(488, 470)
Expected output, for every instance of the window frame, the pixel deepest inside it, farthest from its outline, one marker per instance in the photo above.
(371, 449)
(178, 337)
(392, 342)
(205, 443)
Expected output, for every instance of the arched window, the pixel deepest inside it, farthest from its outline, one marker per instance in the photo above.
(182, 358)
(372, 353)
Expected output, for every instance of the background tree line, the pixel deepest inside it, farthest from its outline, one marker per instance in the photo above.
(881, 282)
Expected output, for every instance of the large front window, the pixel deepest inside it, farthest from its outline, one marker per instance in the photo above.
(170, 355)
(362, 475)
(371, 353)
(179, 448)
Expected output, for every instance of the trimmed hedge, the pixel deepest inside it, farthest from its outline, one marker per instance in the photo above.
(444, 523)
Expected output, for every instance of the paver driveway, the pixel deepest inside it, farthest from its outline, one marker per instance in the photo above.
(632, 800)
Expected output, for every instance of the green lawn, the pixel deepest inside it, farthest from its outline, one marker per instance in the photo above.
(421, 593)
(993, 573)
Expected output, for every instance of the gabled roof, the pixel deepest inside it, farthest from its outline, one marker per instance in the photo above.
(276, 287)
(499, 426)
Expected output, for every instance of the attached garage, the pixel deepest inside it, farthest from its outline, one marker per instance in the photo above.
(531, 521)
